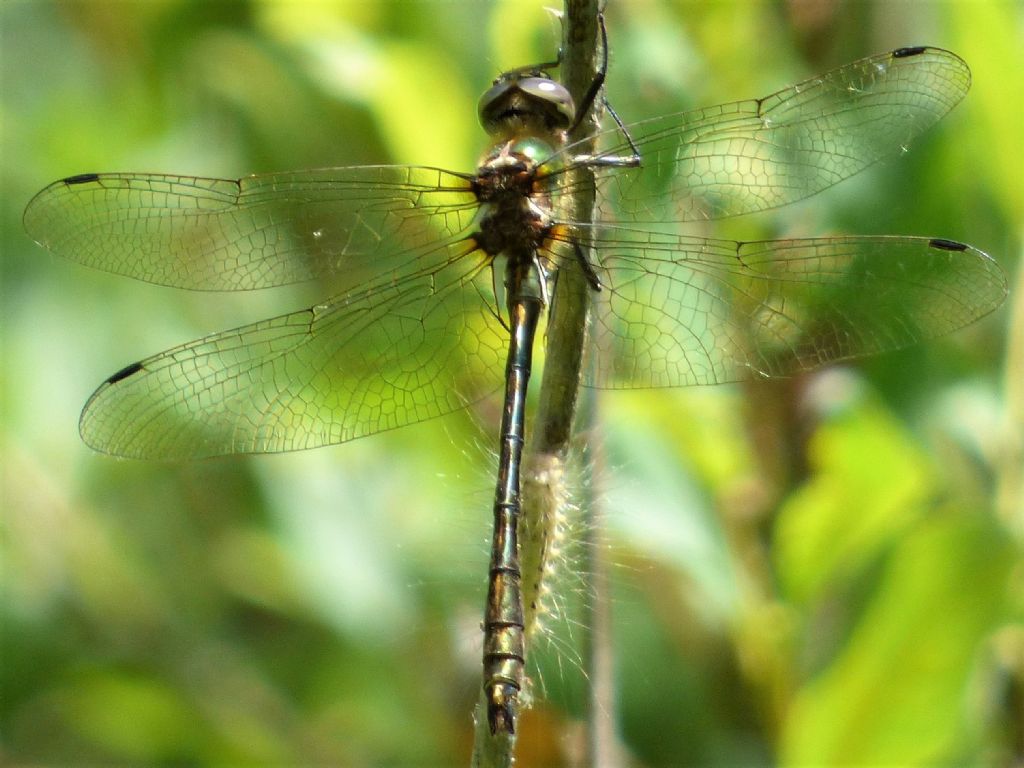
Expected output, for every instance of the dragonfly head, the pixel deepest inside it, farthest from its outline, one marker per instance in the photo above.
(529, 103)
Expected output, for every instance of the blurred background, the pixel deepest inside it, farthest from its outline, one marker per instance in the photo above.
(825, 570)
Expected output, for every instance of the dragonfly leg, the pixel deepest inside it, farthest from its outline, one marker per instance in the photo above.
(591, 96)
(588, 269)
(595, 85)
(630, 161)
(587, 102)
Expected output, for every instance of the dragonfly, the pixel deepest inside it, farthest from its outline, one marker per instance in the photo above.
(439, 279)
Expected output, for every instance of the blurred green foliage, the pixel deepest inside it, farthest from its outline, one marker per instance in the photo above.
(807, 572)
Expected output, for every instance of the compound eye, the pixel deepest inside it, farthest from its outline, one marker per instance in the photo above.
(536, 102)
(554, 93)
(486, 108)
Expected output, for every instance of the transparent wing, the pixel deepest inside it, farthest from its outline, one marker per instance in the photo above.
(763, 153)
(684, 310)
(255, 232)
(390, 354)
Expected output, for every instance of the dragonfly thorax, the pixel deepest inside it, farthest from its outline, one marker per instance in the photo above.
(515, 202)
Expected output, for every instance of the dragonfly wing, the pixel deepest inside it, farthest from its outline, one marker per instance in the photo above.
(254, 232)
(390, 354)
(684, 310)
(763, 153)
